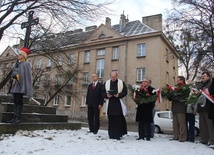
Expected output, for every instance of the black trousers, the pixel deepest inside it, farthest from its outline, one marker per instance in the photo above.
(18, 98)
(144, 130)
(94, 119)
(190, 120)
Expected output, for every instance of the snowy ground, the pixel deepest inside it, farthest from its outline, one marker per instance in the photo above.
(80, 142)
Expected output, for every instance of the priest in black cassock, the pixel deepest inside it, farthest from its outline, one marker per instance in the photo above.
(114, 90)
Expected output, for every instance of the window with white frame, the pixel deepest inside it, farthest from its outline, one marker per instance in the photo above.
(58, 79)
(47, 80)
(59, 60)
(83, 101)
(39, 63)
(49, 63)
(7, 66)
(71, 59)
(87, 56)
(115, 53)
(141, 74)
(141, 50)
(31, 63)
(86, 77)
(68, 100)
(101, 52)
(100, 67)
(56, 100)
(46, 98)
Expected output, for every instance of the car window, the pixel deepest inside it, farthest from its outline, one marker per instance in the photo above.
(163, 115)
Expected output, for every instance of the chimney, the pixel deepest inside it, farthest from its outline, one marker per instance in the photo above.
(78, 30)
(154, 21)
(122, 22)
(90, 28)
(108, 22)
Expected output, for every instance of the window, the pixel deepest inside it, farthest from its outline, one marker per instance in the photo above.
(46, 98)
(141, 50)
(86, 78)
(68, 100)
(56, 100)
(49, 63)
(167, 77)
(0, 68)
(31, 63)
(71, 59)
(37, 81)
(100, 68)
(83, 101)
(59, 60)
(39, 63)
(167, 55)
(87, 56)
(47, 80)
(7, 66)
(71, 81)
(100, 52)
(141, 73)
(58, 80)
(115, 53)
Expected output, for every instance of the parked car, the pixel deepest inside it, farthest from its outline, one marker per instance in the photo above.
(163, 122)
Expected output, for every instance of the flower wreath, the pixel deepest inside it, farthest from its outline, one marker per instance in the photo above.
(141, 95)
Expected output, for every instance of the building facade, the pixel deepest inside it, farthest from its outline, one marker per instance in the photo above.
(135, 49)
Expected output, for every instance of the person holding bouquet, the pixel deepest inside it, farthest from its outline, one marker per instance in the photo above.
(144, 115)
(205, 125)
(179, 109)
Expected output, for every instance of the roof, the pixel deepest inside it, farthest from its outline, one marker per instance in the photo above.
(131, 28)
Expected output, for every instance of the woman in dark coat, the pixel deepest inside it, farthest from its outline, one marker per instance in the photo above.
(144, 115)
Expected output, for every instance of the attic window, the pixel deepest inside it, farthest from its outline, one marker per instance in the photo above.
(102, 36)
(7, 54)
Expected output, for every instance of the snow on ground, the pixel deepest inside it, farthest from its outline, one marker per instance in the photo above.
(80, 142)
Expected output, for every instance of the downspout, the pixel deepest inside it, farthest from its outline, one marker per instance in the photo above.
(125, 70)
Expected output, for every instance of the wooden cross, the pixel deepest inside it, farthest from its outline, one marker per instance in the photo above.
(28, 25)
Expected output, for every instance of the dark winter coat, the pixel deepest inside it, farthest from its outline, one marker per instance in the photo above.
(204, 109)
(145, 111)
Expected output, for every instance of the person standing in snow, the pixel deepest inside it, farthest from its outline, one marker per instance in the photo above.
(114, 90)
(21, 83)
(94, 102)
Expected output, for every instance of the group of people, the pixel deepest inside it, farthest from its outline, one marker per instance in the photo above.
(184, 114)
(114, 90)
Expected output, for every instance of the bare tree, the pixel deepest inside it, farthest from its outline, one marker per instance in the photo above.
(64, 13)
(189, 27)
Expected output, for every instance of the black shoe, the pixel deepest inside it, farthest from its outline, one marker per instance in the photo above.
(11, 121)
(118, 138)
(90, 131)
(148, 139)
(140, 138)
(16, 121)
(95, 132)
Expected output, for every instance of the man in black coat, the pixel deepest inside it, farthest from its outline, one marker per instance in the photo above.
(114, 90)
(144, 115)
(94, 102)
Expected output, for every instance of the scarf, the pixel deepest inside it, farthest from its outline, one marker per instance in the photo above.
(120, 88)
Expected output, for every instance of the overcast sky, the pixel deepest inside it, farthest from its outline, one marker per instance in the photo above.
(135, 9)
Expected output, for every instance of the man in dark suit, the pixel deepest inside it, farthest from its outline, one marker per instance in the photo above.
(94, 102)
